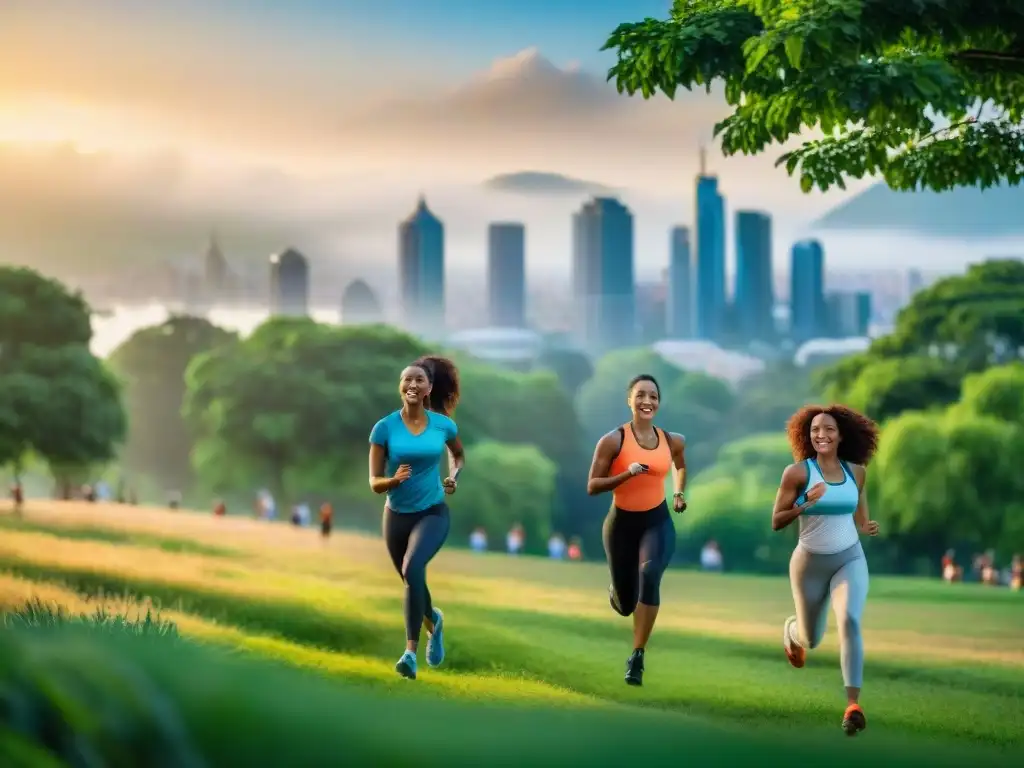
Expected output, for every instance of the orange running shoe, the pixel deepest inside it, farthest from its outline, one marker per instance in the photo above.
(854, 720)
(796, 654)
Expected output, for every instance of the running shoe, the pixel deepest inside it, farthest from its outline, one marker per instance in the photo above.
(435, 640)
(854, 720)
(635, 668)
(406, 665)
(796, 654)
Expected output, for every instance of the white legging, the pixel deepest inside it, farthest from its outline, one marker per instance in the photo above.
(843, 576)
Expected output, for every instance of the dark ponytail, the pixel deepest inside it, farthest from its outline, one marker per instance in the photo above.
(444, 383)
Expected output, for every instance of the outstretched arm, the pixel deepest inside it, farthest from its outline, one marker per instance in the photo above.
(599, 481)
(786, 510)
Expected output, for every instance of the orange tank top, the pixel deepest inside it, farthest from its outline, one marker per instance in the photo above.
(647, 490)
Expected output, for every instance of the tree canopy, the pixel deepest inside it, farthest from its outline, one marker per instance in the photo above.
(151, 364)
(924, 93)
(58, 400)
(295, 392)
(958, 325)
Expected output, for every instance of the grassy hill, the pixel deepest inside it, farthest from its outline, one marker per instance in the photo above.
(289, 645)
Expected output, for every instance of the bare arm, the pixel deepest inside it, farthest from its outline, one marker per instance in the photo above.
(678, 445)
(456, 458)
(786, 510)
(599, 481)
(379, 483)
(861, 516)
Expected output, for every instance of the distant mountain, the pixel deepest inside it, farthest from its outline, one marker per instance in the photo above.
(540, 183)
(961, 212)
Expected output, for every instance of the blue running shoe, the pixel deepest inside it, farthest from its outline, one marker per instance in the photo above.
(435, 640)
(406, 665)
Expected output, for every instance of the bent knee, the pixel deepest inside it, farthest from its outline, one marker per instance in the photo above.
(849, 626)
(650, 583)
(622, 607)
(808, 641)
(414, 574)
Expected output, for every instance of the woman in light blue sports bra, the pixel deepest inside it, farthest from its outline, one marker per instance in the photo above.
(824, 490)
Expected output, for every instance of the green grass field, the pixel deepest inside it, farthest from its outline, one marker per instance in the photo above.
(289, 646)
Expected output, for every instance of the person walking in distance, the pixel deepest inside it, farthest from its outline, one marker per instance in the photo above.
(406, 447)
(633, 462)
(824, 491)
(326, 519)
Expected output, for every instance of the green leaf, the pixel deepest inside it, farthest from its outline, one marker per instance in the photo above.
(794, 50)
(806, 183)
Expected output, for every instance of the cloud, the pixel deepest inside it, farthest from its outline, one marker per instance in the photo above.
(69, 211)
(526, 112)
(524, 107)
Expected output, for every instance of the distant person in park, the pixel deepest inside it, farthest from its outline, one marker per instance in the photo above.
(556, 546)
(1016, 572)
(515, 539)
(951, 572)
(633, 462)
(326, 519)
(406, 448)
(478, 539)
(575, 549)
(220, 508)
(17, 497)
(824, 490)
(711, 556)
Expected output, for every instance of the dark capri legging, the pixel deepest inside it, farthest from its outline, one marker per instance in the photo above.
(639, 547)
(413, 538)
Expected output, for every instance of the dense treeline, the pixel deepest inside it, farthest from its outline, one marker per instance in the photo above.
(196, 408)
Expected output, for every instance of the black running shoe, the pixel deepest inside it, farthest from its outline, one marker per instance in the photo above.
(635, 669)
(854, 720)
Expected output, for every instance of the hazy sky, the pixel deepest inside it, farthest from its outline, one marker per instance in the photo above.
(325, 118)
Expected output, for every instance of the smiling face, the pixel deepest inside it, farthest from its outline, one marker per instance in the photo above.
(825, 435)
(644, 400)
(414, 386)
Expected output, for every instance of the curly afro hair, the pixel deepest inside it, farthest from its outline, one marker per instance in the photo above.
(858, 434)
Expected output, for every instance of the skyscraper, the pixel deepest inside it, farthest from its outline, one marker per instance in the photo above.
(421, 270)
(506, 274)
(709, 271)
(807, 291)
(359, 304)
(289, 283)
(679, 303)
(849, 313)
(754, 297)
(215, 267)
(603, 281)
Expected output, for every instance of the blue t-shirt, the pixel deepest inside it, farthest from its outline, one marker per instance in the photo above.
(421, 452)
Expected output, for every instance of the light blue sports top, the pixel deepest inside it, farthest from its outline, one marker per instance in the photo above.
(828, 527)
(421, 452)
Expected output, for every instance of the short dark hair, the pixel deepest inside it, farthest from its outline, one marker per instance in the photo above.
(858, 433)
(643, 377)
(444, 383)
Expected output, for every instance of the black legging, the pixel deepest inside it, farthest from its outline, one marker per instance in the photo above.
(413, 538)
(639, 547)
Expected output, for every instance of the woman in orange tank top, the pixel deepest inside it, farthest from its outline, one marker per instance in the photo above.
(639, 537)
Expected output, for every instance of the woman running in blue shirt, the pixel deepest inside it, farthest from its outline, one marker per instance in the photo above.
(406, 447)
(824, 490)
